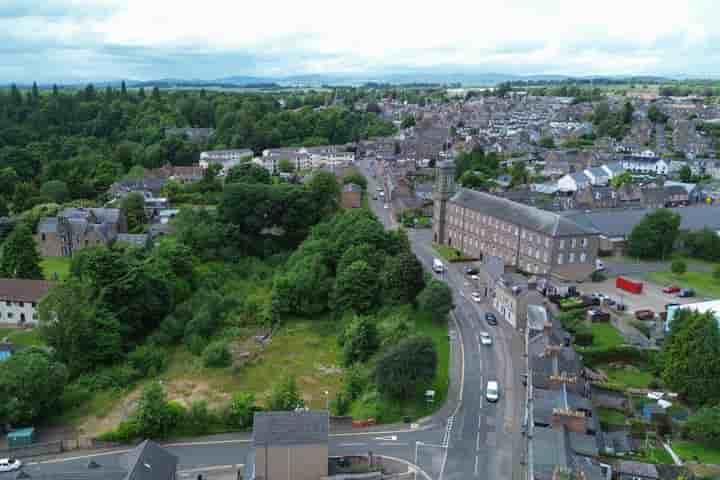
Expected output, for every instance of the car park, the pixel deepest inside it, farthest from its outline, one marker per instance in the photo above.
(490, 318)
(485, 338)
(476, 297)
(492, 391)
(9, 464)
(671, 289)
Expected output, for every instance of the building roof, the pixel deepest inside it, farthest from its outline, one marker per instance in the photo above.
(629, 467)
(352, 187)
(290, 428)
(149, 461)
(21, 290)
(528, 217)
(48, 225)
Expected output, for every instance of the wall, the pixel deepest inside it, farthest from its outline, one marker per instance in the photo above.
(49, 244)
(297, 462)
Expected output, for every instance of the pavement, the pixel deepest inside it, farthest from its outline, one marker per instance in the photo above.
(466, 438)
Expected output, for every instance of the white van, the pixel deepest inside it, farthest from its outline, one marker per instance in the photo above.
(492, 392)
(438, 266)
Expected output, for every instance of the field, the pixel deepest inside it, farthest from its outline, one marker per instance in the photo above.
(52, 266)
(448, 253)
(25, 337)
(688, 450)
(702, 282)
(611, 416)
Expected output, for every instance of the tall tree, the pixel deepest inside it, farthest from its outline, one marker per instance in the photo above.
(19, 257)
(654, 236)
(359, 340)
(410, 364)
(356, 287)
(436, 300)
(134, 207)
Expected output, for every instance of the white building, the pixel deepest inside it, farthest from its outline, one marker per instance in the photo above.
(305, 157)
(19, 300)
(657, 166)
(225, 158)
(572, 182)
(598, 176)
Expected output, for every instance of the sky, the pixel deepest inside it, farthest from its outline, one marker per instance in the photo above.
(84, 40)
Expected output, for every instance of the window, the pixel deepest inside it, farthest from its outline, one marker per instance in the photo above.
(583, 257)
(560, 259)
(584, 242)
(562, 244)
(34, 304)
(572, 257)
(8, 303)
(547, 242)
(10, 315)
(574, 242)
(42, 236)
(22, 304)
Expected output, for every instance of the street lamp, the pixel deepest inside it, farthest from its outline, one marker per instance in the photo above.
(327, 399)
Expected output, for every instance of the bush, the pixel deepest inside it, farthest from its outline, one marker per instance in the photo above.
(148, 360)
(340, 405)
(241, 410)
(155, 416)
(196, 344)
(354, 382)
(126, 432)
(584, 338)
(198, 418)
(217, 355)
(678, 267)
(598, 276)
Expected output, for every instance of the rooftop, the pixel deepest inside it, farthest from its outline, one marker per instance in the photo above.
(21, 290)
(290, 428)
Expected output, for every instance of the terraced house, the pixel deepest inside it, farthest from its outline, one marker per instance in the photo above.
(532, 240)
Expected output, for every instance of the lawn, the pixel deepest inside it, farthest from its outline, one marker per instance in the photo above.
(25, 337)
(606, 336)
(702, 282)
(688, 450)
(610, 416)
(627, 377)
(52, 266)
(449, 253)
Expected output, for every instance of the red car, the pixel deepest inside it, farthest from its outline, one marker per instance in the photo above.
(671, 289)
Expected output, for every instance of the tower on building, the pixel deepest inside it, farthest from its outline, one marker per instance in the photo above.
(442, 192)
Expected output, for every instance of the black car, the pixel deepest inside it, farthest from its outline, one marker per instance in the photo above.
(490, 318)
(471, 271)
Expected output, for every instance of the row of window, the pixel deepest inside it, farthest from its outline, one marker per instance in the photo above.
(573, 243)
(9, 303)
(23, 318)
(582, 258)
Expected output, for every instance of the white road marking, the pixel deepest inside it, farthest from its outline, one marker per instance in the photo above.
(351, 444)
(210, 469)
(393, 444)
(476, 464)
(477, 443)
(391, 438)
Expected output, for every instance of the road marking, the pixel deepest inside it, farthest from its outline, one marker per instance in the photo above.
(351, 444)
(477, 443)
(393, 444)
(479, 423)
(210, 469)
(477, 460)
(391, 438)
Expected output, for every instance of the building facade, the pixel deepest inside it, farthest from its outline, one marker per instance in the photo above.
(19, 300)
(77, 228)
(532, 240)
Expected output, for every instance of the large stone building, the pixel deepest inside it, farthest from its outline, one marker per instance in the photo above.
(526, 238)
(77, 228)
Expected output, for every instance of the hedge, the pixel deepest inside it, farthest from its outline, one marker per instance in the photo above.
(620, 354)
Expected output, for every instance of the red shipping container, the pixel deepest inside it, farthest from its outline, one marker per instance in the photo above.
(629, 285)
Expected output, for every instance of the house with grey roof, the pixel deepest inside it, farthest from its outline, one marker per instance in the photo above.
(289, 446)
(572, 182)
(77, 228)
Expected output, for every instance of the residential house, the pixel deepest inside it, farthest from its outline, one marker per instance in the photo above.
(77, 228)
(351, 196)
(572, 182)
(645, 165)
(590, 198)
(178, 173)
(225, 158)
(512, 296)
(289, 446)
(121, 188)
(19, 299)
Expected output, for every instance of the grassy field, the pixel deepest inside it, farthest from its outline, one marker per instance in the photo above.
(611, 416)
(605, 336)
(702, 282)
(629, 378)
(52, 266)
(688, 450)
(25, 337)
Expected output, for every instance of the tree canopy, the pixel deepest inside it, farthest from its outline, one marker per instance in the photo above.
(406, 367)
(19, 257)
(655, 235)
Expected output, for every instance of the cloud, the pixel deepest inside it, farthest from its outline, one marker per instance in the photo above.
(60, 40)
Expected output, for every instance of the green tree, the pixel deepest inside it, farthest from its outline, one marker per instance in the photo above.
(402, 278)
(356, 287)
(357, 178)
(408, 121)
(691, 356)
(20, 258)
(31, 383)
(685, 174)
(326, 189)
(472, 180)
(704, 244)
(716, 273)
(55, 191)
(436, 300)
(82, 331)
(285, 395)
(248, 173)
(619, 180)
(217, 355)
(286, 166)
(8, 179)
(654, 236)
(134, 207)
(546, 142)
(519, 174)
(407, 366)
(155, 416)
(678, 267)
(360, 340)
(241, 410)
(704, 426)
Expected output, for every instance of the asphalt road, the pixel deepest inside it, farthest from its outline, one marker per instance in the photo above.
(467, 439)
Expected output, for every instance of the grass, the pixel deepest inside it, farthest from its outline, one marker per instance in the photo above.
(688, 450)
(702, 282)
(449, 253)
(628, 378)
(658, 455)
(25, 337)
(606, 336)
(610, 416)
(52, 266)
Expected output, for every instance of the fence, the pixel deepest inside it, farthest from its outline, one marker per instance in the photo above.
(55, 447)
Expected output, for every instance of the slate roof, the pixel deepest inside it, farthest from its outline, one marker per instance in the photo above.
(48, 225)
(646, 470)
(528, 217)
(290, 428)
(149, 461)
(21, 290)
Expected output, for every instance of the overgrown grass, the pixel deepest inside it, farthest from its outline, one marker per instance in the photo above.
(702, 282)
(55, 267)
(688, 450)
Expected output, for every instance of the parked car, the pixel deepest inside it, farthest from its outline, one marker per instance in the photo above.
(490, 318)
(671, 304)
(471, 271)
(485, 338)
(671, 289)
(9, 464)
(644, 314)
(492, 392)
(476, 297)
(686, 292)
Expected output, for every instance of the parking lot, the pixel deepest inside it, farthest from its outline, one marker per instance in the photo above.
(652, 296)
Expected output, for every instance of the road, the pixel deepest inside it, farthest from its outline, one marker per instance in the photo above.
(465, 439)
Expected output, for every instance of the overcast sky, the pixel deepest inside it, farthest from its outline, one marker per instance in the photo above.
(77, 40)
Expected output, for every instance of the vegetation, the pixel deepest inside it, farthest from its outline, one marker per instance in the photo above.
(408, 365)
(704, 283)
(690, 451)
(704, 426)
(655, 235)
(610, 416)
(678, 267)
(436, 300)
(19, 257)
(703, 244)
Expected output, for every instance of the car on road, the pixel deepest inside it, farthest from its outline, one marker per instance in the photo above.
(485, 338)
(644, 314)
(475, 277)
(386, 206)
(490, 318)
(9, 464)
(686, 292)
(476, 297)
(471, 271)
(671, 289)
(492, 392)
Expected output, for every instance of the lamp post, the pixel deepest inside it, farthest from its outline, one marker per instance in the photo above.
(327, 399)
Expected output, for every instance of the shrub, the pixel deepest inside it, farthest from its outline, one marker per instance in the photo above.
(148, 360)
(126, 432)
(285, 395)
(155, 416)
(598, 276)
(198, 418)
(678, 267)
(584, 338)
(340, 405)
(196, 344)
(354, 382)
(217, 355)
(240, 411)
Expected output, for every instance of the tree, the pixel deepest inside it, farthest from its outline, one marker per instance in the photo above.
(678, 267)
(8, 179)
(134, 207)
(360, 340)
(357, 178)
(217, 355)
(31, 383)
(19, 257)
(326, 189)
(55, 191)
(408, 121)
(704, 426)
(248, 173)
(716, 273)
(619, 180)
(285, 395)
(518, 174)
(546, 142)
(691, 356)
(654, 236)
(241, 410)
(402, 278)
(81, 330)
(685, 174)
(470, 179)
(356, 287)
(286, 166)
(436, 300)
(655, 115)
(410, 364)
(704, 244)
(155, 416)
